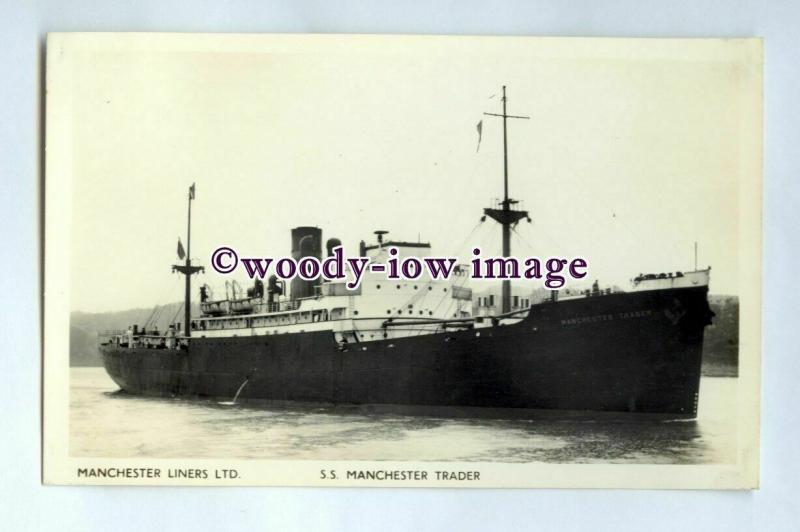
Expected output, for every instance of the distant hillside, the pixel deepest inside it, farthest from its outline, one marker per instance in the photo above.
(85, 326)
(83, 348)
(721, 342)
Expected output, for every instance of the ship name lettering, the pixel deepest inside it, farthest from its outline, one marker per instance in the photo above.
(635, 314)
(458, 475)
(386, 474)
(587, 319)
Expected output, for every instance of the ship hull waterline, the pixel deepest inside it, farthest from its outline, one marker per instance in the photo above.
(624, 352)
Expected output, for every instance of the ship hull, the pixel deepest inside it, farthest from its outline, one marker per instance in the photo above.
(631, 352)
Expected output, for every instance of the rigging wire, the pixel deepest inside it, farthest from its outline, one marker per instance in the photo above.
(158, 310)
(153, 316)
(522, 239)
(180, 307)
(415, 298)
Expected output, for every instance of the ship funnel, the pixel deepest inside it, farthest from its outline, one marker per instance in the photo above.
(306, 242)
(332, 243)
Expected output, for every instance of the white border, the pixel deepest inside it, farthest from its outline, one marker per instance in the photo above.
(27, 504)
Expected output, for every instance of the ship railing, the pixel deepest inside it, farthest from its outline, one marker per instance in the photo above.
(283, 306)
(514, 314)
(233, 307)
(154, 341)
(406, 322)
(110, 332)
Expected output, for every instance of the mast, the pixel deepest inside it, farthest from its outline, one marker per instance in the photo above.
(188, 270)
(506, 216)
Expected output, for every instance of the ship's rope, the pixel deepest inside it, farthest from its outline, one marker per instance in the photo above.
(415, 298)
(158, 310)
(453, 301)
(158, 315)
(153, 315)
(461, 245)
(540, 236)
(522, 239)
(180, 307)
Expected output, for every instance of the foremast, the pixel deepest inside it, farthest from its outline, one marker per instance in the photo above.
(506, 216)
(187, 269)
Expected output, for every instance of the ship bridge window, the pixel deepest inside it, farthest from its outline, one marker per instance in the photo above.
(337, 313)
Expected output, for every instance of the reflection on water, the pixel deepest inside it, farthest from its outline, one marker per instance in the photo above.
(105, 423)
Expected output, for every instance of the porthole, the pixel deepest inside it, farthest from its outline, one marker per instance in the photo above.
(430, 288)
(388, 311)
(378, 286)
(355, 312)
(415, 287)
(398, 287)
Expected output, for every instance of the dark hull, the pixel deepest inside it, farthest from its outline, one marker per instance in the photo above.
(637, 352)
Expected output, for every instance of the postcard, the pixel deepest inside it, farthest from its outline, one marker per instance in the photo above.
(402, 261)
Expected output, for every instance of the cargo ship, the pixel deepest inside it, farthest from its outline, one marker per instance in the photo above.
(418, 345)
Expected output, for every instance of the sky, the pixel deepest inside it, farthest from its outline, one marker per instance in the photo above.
(634, 151)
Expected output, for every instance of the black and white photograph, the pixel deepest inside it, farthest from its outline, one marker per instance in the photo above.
(416, 261)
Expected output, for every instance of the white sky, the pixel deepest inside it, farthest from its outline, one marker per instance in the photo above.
(632, 153)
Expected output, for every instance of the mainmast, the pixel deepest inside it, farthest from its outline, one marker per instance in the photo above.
(188, 270)
(506, 216)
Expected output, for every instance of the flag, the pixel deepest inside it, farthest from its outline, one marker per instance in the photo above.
(480, 133)
(181, 252)
(191, 191)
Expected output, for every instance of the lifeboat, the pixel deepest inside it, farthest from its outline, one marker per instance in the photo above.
(215, 308)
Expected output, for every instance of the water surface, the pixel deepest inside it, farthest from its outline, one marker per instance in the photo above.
(106, 423)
